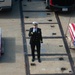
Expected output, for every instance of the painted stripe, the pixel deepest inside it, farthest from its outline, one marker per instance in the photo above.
(73, 25)
(71, 35)
(71, 31)
(70, 25)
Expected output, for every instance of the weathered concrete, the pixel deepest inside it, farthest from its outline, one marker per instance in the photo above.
(65, 20)
(12, 62)
(50, 64)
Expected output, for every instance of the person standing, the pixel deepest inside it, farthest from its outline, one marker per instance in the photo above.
(35, 35)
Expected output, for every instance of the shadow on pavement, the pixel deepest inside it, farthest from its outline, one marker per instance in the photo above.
(9, 51)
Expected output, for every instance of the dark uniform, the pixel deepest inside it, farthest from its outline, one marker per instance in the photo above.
(35, 40)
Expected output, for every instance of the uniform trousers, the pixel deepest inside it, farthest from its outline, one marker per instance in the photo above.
(37, 45)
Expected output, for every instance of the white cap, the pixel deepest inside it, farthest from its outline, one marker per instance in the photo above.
(35, 23)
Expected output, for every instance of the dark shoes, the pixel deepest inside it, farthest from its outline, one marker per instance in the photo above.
(33, 60)
(39, 60)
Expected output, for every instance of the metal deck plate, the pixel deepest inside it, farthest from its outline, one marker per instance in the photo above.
(47, 30)
(50, 65)
(34, 5)
(50, 46)
(40, 17)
